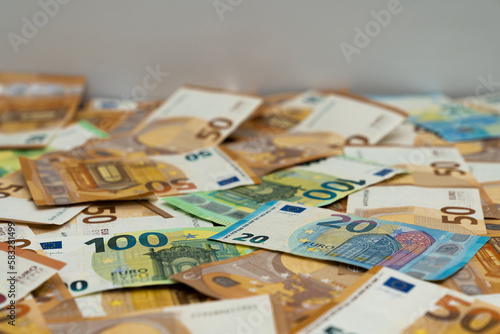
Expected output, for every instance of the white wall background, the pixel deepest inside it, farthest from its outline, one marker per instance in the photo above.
(266, 46)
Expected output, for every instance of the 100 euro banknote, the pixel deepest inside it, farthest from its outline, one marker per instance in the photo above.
(318, 233)
(139, 258)
(316, 184)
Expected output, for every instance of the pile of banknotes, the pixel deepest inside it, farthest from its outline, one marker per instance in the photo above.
(213, 211)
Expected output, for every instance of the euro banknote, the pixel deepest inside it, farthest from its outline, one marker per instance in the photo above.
(68, 138)
(20, 235)
(412, 103)
(452, 209)
(139, 258)
(485, 171)
(386, 300)
(104, 217)
(24, 271)
(317, 184)
(480, 150)
(453, 314)
(26, 319)
(489, 100)
(67, 181)
(488, 174)
(480, 275)
(104, 227)
(265, 154)
(124, 301)
(116, 116)
(441, 166)
(17, 205)
(336, 112)
(34, 107)
(457, 122)
(298, 229)
(437, 185)
(301, 285)
(278, 114)
(193, 118)
(257, 314)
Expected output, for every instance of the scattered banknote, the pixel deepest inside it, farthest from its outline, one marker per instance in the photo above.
(86, 225)
(301, 285)
(139, 258)
(122, 301)
(257, 314)
(21, 236)
(66, 180)
(452, 209)
(488, 174)
(438, 186)
(355, 119)
(16, 204)
(406, 133)
(485, 171)
(493, 299)
(317, 184)
(193, 118)
(51, 294)
(453, 314)
(481, 275)
(490, 100)
(26, 319)
(480, 150)
(457, 122)
(104, 217)
(302, 230)
(278, 114)
(441, 166)
(117, 116)
(382, 301)
(33, 107)
(412, 103)
(24, 271)
(68, 138)
(265, 154)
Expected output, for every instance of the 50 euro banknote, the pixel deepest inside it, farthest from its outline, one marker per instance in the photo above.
(421, 252)
(131, 259)
(33, 107)
(194, 118)
(316, 184)
(64, 180)
(441, 166)
(392, 302)
(259, 314)
(301, 285)
(16, 204)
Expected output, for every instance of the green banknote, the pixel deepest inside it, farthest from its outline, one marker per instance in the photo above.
(316, 184)
(98, 263)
